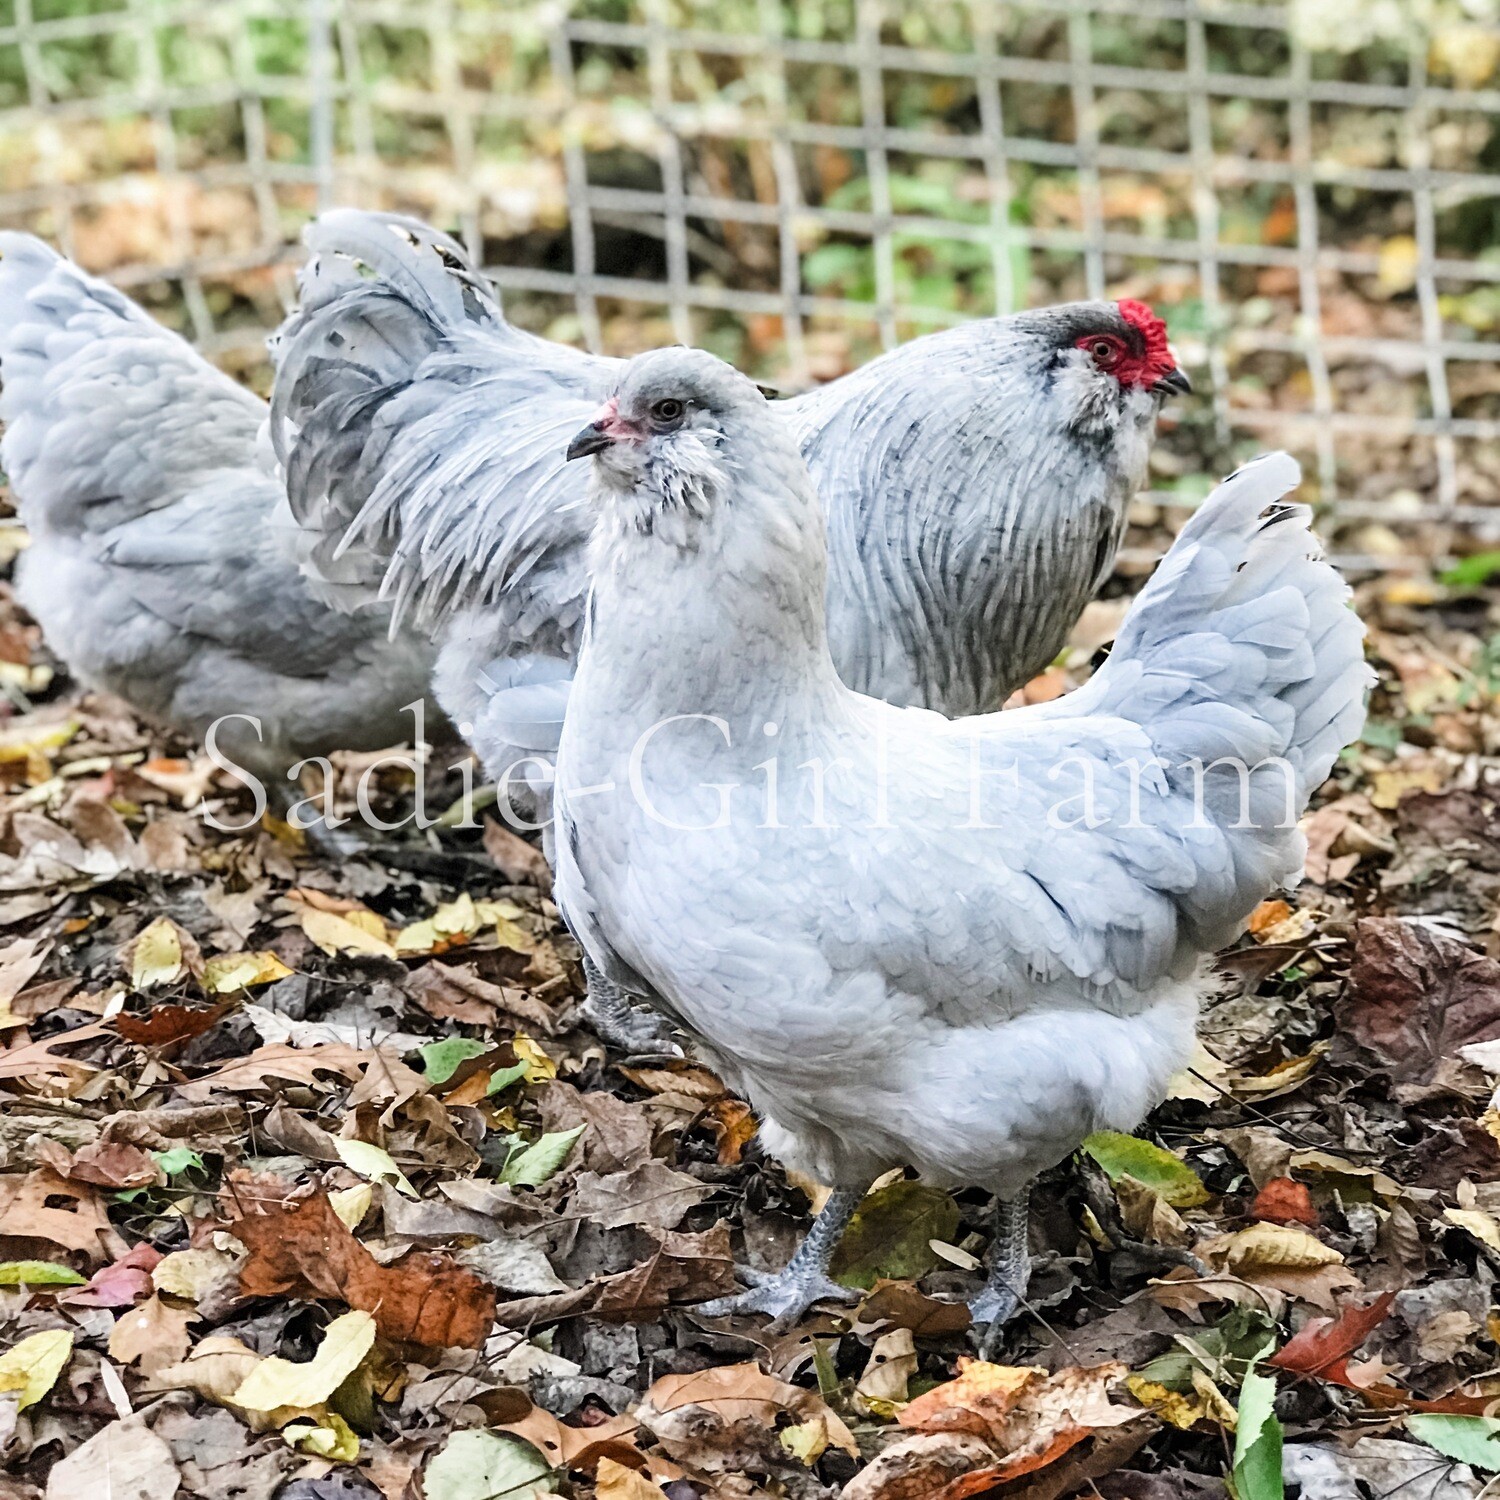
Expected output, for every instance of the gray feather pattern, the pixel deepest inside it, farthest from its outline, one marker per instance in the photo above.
(156, 568)
(422, 437)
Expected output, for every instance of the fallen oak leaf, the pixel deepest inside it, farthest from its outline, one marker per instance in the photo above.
(1324, 1343)
(27, 1211)
(256, 1072)
(38, 1059)
(303, 1248)
(581, 1448)
(169, 1025)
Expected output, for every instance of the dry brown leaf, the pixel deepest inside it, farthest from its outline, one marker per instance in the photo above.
(1025, 1414)
(267, 1067)
(39, 1059)
(615, 1481)
(124, 1459)
(304, 1249)
(215, 1368)
(151, 1335)
(610, 1441)
(714, 1419)
(27, 1212)
(1416, 996)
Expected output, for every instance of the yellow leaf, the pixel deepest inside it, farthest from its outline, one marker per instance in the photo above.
(277, 1382)
(1478, 1223)
(1171, 1406)
(501, 916)
(456, 917)
(330, 1436)
(33, 1365)
(190, 1273)
(539, 1067)
(805, 1441)
(216, 1368)
(1469, 53)
(157, 956)
(1197, 1080)
(1281, 1247)
(352, 1204)
(1388, 787)
(1397, 267)
(24, 743)
(374, 1163)
(238, 971)
(1282, 1079)
(614, 1481)
(336, 932)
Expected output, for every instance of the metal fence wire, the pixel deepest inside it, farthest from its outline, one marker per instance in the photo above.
(1309, 192)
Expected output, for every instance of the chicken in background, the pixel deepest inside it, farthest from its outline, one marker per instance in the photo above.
(975, 483)
(155, 569)
(962, 945)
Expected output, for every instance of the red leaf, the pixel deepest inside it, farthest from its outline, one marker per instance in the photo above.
(1326, 1342)
(1282, 1201)
(169, 1024)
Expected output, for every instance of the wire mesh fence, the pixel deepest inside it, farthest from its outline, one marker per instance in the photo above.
(1309, 192)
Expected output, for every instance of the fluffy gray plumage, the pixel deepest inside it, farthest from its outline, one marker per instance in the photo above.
(975, 481)
(960, 945)
(154, 568)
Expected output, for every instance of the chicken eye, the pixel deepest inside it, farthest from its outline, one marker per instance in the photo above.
(667, 411)
(1105, 351)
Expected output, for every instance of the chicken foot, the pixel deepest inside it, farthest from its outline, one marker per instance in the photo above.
(788, 1293)
(627, 1028)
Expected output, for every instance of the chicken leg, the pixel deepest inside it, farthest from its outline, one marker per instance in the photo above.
(627, 1028)
(804, 1280)
(1010, 1271)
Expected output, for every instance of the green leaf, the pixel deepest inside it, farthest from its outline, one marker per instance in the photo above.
(178, 1160)
(38, 1273)
(375, 1163)
(441, 1060)
(1130, 1156)
(541, 1160)
(891, 1232)
(1471, 1440)
(502, 1078)
(1472, 572)
(480, 1465)
(1257, 1441)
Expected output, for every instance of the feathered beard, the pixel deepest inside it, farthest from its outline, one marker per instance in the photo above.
(667, 487)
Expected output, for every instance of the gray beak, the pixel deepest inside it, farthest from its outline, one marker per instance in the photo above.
(1173, 383)
(592, 439)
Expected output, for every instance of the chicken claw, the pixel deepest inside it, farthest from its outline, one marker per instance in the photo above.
(804, 1280)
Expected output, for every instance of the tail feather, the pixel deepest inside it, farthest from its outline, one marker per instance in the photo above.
(1241, 647)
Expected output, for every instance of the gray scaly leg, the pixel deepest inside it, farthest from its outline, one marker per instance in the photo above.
(1010, 1271)
(804, 1279)
(620, 1025)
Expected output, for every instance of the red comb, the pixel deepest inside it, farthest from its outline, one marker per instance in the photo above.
(1153, 330)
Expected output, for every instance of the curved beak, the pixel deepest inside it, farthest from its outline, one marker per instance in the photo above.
(1173, 383)
(591, 439)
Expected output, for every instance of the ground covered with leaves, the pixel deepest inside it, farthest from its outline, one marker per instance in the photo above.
(314, 1184)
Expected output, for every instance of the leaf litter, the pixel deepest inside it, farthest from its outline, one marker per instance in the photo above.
(314, 1181)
